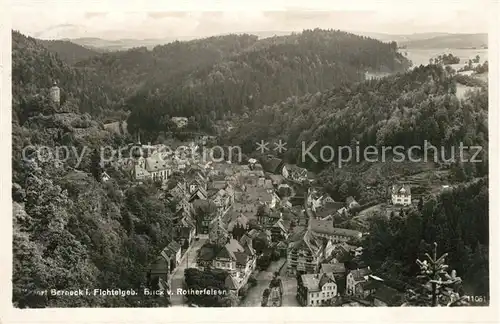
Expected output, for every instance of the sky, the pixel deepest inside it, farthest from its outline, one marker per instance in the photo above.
(140, 19)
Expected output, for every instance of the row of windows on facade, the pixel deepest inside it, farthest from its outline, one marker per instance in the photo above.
(319, 301)
(322, 293)
(224, 264)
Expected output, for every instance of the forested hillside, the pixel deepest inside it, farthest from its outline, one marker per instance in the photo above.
(164, 64)
(35, 69)
(70, 230)
(404, 109)
(457, 220)
(268, 71)
(69, 52)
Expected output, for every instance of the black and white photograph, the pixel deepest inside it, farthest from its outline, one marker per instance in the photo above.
(296, 157)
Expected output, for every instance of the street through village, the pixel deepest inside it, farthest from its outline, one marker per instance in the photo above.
(188, 261)
(254, 296)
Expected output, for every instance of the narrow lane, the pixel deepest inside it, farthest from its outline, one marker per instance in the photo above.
(254, 296)
(289, 289)
(188, 261)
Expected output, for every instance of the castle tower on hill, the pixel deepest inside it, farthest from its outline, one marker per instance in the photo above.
(55, 94)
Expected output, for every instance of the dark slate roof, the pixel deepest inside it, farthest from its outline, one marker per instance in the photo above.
(241, 258)
(359, 274)
(325, 278)
(326, 227)
(170, 250)
(370, 284)
(329, 209)
(388, 295)
(335, 268)
(206, 252)
(273, 164)
(230, 283)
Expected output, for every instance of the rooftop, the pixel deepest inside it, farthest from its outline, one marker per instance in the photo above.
(401, 190)
(328, 209)
(326, 227)
(314, 281)
(360, 274)
(335, 268)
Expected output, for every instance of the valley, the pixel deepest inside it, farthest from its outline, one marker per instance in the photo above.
(188, 202)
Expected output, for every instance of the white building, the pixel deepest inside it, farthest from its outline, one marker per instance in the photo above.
(154, 168)
(401, 195)
(180, 121)
(316, 289)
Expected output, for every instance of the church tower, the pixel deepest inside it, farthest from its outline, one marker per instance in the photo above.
(55, 94)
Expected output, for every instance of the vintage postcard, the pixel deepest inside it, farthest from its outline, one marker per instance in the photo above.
(298, 159)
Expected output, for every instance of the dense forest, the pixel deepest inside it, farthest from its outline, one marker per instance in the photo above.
(35, 69)
(404, 109)
(270, 70)
(69, 52)
(164, 65)
(70, 230)
(457, 220)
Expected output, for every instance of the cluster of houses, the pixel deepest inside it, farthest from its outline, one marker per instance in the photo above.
(325, 259)
(345, 284)
(217, 202)
(230, 205)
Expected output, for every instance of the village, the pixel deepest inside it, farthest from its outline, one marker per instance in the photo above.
(266, 224)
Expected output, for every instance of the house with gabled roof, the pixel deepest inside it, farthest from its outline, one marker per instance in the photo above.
(328, 209)
(169, 257)
(278, 231)
(158, 167)
(316, 289)
(363, 289)
(140, 174)
(239, 260)
(354, 277)
(401, 195)
(325, 229)
(338, 270)
(304, 253)
(199, 193)
(274, 165)
(184, 226)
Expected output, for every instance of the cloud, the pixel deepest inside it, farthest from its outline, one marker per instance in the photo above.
(167, 14)
(90, 15)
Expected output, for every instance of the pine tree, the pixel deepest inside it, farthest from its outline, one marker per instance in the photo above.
(438, 287)
(96, 167)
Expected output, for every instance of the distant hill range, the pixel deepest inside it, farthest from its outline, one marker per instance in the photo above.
(432, 40)
(126, 44)
(417, 40)
(449, 41)
(70, 52)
